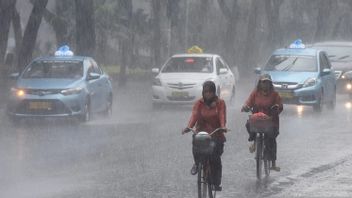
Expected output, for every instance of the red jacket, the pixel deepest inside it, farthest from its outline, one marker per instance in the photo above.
(261, 103)
(207, 118)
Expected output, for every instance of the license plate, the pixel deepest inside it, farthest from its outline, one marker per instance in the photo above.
(40, 105)
(179, 94)
(286, 95)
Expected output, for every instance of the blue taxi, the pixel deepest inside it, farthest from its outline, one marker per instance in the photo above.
(63, 85)
(302, 76)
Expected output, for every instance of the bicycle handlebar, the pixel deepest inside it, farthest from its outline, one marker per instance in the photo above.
(215, 131)
(251, 109)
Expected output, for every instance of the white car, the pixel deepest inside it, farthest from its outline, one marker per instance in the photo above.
(180, 79)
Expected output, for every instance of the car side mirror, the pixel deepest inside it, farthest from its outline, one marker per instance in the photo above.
(155, 70)
(93, 76)
(14, 75)
(257, 70)
(326, 71)
(223, 70)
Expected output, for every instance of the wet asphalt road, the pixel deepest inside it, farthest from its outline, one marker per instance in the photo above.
(141, 153)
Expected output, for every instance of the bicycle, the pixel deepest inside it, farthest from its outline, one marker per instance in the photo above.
(204, 146)
(262, 125)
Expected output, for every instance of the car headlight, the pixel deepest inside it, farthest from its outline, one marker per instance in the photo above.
(349, 86)
(156, 82)
(71, 91)
(309, 82)
(210, 79)
(18, 92)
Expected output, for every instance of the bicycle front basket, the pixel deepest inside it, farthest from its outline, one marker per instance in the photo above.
(203, 143)
(260, 122)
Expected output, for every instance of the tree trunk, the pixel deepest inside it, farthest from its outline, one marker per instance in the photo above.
(250, 44)
(85, 28)
(173, 12)
(124, 59)
(30, 33)
(156, 45)
(199, 36)
(102, 42)
(126, 42)
(273, 17)
(17, 29)
(204, 10)
(59, 26)
(325, 8)
(231, 17)
(64, 11)
(6, 11)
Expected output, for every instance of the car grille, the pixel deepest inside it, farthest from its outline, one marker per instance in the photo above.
(181, 85)
(42, 92)
(180, 98)
(286, 85)
(42, 107)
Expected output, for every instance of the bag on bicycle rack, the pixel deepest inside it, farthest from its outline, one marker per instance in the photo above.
(260, 122)
(203, 143)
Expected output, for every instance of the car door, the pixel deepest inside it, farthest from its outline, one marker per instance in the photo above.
(230, 78)
(101, 82)
(223, 78)
(93, 86)
(104, 86)
(328, 79)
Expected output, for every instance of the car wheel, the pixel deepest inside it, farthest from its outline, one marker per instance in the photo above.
(332, 104)
(86, 113)
(318, 106)
(108, 110)
(218, 92)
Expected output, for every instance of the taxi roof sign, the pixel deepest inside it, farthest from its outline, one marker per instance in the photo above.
(195, 50)
(64, 51)
(297, 44)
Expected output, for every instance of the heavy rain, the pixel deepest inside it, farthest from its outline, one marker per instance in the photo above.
(95, 95)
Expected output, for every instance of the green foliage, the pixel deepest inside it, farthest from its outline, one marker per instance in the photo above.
(132, 73)
(113, 17)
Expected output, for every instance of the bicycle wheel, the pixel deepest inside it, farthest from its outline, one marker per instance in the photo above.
(266, 167)
(266, 160)
(202, 181)
(259, 156)
(211, 190)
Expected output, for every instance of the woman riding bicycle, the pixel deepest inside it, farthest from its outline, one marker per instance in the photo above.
(266, 100)
(208, 114)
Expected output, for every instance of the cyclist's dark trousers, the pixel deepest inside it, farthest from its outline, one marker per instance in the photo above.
(215, 162)
(270, 147)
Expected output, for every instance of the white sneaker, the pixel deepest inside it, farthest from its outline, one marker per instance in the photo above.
(275, 168)
(252, 148)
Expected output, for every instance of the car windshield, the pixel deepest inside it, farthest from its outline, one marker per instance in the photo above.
(291, 63)
(189, 64)
(54, 69)
(337, 53)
